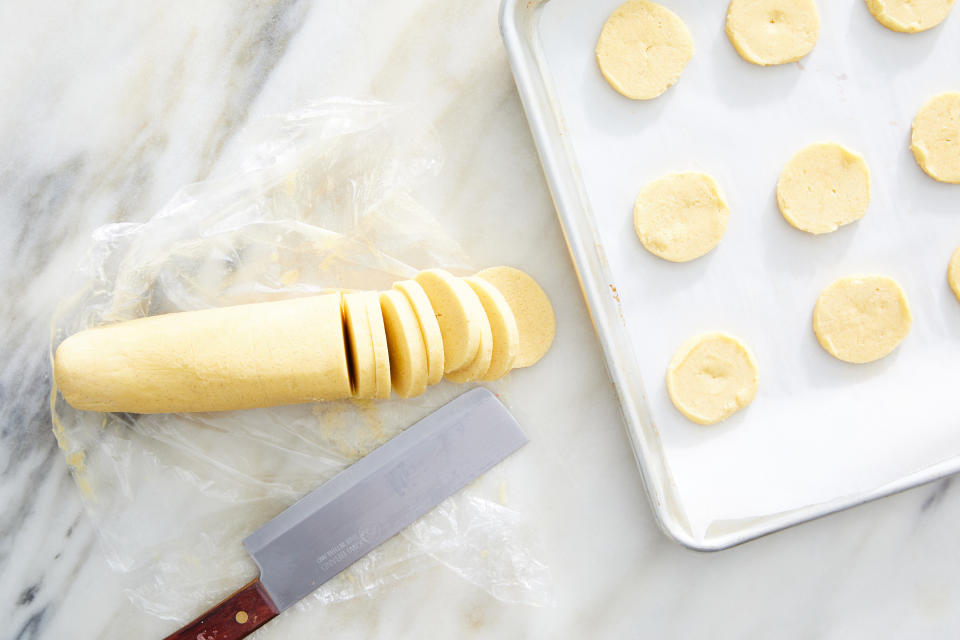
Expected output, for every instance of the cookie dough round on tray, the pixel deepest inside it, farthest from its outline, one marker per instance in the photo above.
(643, 48)
(711, 377)
(408, 354)
(536, 324)
(953, 273)
(909, 16)
(935, 139)
(429, 327)
(459, 314)
(860, 319)
(680, 216)
(823, 187)
(767, 32)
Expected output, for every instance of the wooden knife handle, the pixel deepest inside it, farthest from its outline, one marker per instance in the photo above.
(236, 617)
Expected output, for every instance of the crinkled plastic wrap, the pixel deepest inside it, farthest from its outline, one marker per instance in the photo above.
(315, 199)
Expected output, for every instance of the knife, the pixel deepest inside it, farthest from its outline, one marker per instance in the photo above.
(361, 507)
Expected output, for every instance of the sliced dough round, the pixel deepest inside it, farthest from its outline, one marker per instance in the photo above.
(481, 361)
(503, 327)
(680, 216)
(861, 318)
(458, 313)
(935, 139)
(381, 352)
(711, 377)
(823, 187)
(531, 308)
(429, 327)
(643, 48)
(408, 355)
(360, 343)
(769, 32)
(953, 273)
(909, 16)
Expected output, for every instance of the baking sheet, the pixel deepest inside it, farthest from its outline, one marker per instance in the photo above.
(820, 430)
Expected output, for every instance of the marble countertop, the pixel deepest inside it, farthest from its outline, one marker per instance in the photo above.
(109, 107)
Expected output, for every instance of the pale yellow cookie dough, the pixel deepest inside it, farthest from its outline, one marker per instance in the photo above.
(459, 314)
(767, 32)
(643, 48)
(503, 326)
(408, 354)
(360, 343)
(711, 377)
(680, 216)
(935, 140)
(239, 357)
(909, 16)
(953, 273)
(381, 353)
(531, 309)
(429, 327)
(861, 318)
(823, 187)
(477, 367)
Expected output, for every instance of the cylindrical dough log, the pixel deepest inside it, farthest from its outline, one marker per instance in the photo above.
(240, 357)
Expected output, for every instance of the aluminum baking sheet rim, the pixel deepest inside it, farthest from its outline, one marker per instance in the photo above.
(518, 26)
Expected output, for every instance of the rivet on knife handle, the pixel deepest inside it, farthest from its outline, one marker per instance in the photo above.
(236, 617)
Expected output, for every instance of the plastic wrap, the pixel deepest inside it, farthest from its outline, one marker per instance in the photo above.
(313, 200)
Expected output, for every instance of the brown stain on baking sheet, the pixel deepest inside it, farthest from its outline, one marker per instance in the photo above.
(616, 294)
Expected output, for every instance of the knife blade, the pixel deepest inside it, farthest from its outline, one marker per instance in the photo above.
(361, 507)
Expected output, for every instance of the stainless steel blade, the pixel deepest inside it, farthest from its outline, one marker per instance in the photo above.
(380, 494)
